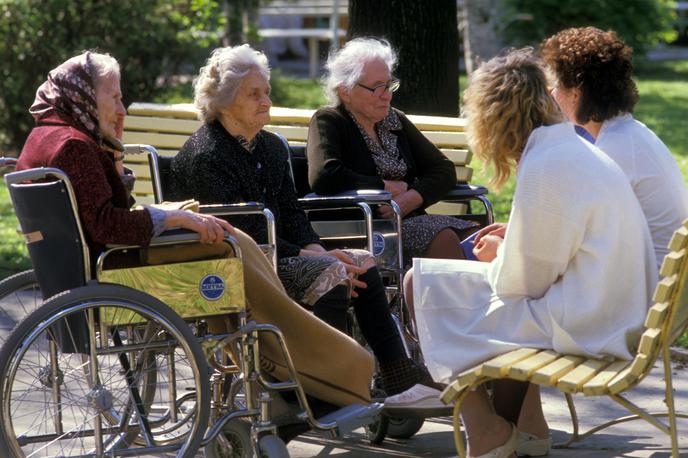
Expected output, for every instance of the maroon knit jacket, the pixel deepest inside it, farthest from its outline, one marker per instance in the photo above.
(102, 200)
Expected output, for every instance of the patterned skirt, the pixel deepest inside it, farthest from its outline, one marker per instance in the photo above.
(308, 278)
(418, 231)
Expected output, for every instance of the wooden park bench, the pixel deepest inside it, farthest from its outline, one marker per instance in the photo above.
(666, 320)
(167, 127)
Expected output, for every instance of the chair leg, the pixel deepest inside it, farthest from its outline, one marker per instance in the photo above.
(575, 436)
(458, 436)
(669, 393)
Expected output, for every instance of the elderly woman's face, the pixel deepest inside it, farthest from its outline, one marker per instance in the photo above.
(361, 101)
(111, 111)
(251, 104)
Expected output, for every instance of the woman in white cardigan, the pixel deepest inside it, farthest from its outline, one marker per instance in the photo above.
(574, 272)
(595, 90)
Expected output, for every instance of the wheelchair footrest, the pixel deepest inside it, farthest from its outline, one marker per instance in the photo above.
(353, 416)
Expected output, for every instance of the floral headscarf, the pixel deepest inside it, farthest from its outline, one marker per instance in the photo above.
(70, 91)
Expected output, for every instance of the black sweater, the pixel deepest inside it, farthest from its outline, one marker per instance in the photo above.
(213, 168)
(339, 159)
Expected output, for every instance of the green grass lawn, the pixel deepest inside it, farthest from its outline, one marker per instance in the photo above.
(663, 107)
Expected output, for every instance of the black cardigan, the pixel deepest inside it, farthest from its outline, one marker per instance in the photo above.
(339, 159)
(213, 168)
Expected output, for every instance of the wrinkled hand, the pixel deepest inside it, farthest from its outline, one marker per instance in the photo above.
(351, 269)
(208, 227)
(496, 229)
(486, 249)
(395, 187)
(407, 202)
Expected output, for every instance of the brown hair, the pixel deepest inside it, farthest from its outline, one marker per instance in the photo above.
(598, 63)
(506, 99)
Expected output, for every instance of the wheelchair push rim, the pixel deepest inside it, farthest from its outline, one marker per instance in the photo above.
(95, 399)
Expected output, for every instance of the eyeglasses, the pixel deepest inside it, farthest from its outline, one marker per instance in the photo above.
(391, 86)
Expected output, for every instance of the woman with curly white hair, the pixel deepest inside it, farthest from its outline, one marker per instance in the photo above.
(232, 159)
(360, 141)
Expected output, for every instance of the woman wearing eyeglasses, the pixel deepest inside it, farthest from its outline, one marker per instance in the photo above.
(360, 142)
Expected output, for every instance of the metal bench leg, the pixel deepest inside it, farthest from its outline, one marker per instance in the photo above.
(575, 436)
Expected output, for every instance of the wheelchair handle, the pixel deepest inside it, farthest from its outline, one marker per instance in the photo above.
(39, 173)
(8, 161)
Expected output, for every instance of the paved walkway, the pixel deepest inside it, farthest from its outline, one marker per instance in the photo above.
(633, 439)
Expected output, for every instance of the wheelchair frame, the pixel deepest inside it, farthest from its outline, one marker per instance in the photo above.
(222, 408)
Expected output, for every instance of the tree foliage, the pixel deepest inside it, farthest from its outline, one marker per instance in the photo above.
(150, 39)
(641, 23)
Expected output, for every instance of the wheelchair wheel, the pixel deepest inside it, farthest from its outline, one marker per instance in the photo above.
(376, 432)
(19, 296)
(271, 446)
(233, 442)
(404, 427)
(58, 400)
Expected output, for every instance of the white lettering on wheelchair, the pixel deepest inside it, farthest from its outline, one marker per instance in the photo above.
(212, 287)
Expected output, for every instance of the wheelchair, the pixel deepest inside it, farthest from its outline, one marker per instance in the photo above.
(348, 220)
(121, 361)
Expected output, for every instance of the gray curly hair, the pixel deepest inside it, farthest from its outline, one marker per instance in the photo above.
(217, 82)
(104, 66)
(345, 66)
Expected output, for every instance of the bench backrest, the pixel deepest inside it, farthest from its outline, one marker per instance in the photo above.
(666, 320)
(167, 127)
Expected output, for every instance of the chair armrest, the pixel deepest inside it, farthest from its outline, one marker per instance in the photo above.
(175, 236)
(6, 161)
(232, 209)
(463, 191)
(349, 198)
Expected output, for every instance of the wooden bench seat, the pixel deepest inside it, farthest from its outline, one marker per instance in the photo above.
(167, 127)
(572, 374)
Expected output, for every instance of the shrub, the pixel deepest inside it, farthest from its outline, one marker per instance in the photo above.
(641, 23)
(150, 39)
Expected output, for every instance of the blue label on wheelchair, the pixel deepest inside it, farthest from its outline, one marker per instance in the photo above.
(212, 287)
(378, 243)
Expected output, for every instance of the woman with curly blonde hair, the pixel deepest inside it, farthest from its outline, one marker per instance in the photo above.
(553, 283)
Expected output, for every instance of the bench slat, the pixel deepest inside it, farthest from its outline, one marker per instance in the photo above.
(574, 380)
(680, 239)
(157, 140)
(672, 263)
(656, 315)
(664, 289)
(160, 124)
(447, 139)
(523, 369)
(447, 208)
(629, 376)
(649, 341)
(550, 374)
(298, 133)
(598, 384)
(458, 156)
(498, 366)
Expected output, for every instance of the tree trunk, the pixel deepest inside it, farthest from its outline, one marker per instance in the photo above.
(480, 38)
(425, 35)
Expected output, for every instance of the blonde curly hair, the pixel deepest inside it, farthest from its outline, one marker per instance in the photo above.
(506, 99)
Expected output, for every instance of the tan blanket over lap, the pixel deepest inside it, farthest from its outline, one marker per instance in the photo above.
(331, 365)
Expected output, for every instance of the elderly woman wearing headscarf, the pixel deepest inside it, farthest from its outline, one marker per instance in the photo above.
(361, 142)
(79, 117)
(232, 159)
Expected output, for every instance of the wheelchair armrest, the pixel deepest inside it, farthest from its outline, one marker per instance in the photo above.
(465, 191)
(232, 209)
(348, 198)
(36, 174)
(174, 236)
(7, 161)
